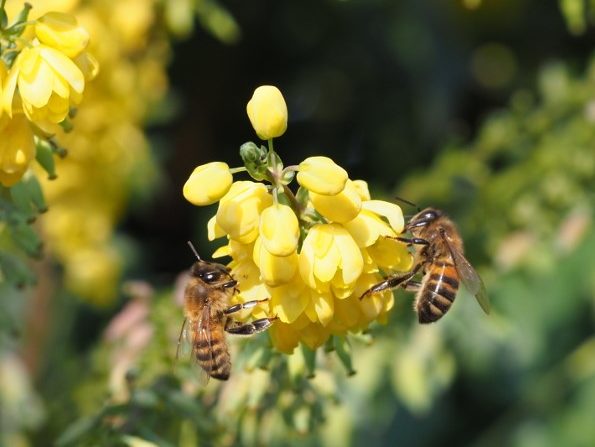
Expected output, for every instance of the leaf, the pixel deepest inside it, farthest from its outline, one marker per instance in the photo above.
(76, 431)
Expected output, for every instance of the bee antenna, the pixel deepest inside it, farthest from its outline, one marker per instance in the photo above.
(194, 250)
(401, 199)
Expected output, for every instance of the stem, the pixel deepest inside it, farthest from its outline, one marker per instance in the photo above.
(270, 145)
(236, 170)
(275, 195)
(295, 205)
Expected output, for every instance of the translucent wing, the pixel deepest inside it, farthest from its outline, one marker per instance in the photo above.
(184, 344)
(469, 276)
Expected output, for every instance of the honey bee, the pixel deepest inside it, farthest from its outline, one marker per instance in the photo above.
(439, 257)
(207, 316)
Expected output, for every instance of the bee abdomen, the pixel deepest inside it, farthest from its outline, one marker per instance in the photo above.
(437, 294)
(214, 357)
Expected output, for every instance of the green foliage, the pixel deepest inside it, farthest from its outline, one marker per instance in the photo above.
(522, 193)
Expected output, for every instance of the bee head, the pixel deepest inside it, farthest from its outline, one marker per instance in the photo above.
(213, 274)
(424, 217)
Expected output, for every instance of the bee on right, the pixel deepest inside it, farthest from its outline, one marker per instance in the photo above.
(439, 258)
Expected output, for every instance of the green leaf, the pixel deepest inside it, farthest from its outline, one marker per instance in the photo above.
(574, 12)
(343, 349)
(21, 198)
(27, 239)
(310, 359)
(19, 25)
(76, 431)
(3, 18)
(45, 157)
(14, 270)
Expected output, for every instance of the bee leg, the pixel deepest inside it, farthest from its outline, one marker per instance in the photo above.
(392, 282)
(412, 286)
(413, 241)
(248, 328)
(241, 306)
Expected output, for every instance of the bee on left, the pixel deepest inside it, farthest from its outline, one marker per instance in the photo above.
(207, 313)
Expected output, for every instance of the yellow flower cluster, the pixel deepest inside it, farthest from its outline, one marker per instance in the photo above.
(107, 148)
(312, 254)
(41, 86)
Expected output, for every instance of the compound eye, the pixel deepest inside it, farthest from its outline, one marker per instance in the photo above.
(210, 277)
(430, 215)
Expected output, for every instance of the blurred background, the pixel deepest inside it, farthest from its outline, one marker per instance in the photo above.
(485, 109)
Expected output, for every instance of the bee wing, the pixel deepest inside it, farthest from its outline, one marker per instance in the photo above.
(184, 344)
(469, 276)
(203, 338)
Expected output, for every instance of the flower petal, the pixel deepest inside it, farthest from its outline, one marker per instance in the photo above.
(391, 211)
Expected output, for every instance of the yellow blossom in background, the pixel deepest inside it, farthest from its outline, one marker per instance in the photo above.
(3, 74)
(208, 183)
(48, 82)
(108, 153)
(62, 32)
(17, 148)
(267, 112)
(310, 256)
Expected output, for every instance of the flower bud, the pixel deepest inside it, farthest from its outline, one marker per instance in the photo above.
(267, 112)
(322, 176)
(255, 160)
(279, 230)
(208, 183)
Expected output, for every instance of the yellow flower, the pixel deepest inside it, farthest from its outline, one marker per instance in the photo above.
(279, 230)
(274, 270)
(362, 189)
(62, 32)
(239, 210)
(3, 73)
(322, 175)
(267, 112)
(94, 273)
(314, 289)
(208, 183)
(329, 251)
(17, 148)
(341, 207)
(289, 301)
(48, 84)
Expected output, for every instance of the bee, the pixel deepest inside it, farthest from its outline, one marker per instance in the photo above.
(208, 313)
(439, 258)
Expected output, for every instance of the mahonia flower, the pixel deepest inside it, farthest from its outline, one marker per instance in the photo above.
(62, 32)
(208, 183)
(17, 148)
(267, 112)
(321, 175)
(310, 256)
(44, 80)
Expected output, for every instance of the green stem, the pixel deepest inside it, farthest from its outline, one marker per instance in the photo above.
(236, 170)
(270, 145)
(295, 205)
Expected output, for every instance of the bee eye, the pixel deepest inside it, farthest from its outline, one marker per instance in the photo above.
(210, 277)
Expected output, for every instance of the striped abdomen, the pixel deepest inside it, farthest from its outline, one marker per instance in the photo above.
(211, 352)
(438, 290)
